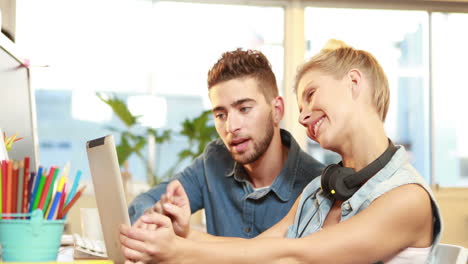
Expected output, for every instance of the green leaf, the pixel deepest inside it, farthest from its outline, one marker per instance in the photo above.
(124, 150)
(120, 108)
(140, 143)
(159, 139)
(199, 131)
(185, 154)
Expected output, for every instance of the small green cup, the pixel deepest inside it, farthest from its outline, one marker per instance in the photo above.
(34, 239)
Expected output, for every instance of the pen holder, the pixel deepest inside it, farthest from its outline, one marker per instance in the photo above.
(33, 239)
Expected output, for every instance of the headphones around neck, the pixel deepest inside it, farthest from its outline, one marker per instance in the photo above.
(340, 183)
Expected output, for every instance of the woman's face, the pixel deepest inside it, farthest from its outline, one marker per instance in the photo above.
(325, 104)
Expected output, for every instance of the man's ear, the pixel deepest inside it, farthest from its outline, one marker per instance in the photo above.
(355, 79)
(277, 104)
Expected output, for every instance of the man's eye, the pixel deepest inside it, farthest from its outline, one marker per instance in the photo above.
(220, 116)
(245, 109)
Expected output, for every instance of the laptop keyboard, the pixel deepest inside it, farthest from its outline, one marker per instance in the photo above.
(89, 246)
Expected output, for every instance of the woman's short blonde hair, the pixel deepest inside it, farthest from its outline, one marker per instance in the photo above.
(337, 59)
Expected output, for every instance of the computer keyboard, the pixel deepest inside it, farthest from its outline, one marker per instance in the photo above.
(88, 248)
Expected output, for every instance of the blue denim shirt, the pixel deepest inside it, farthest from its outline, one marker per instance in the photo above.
(314, 206)
(214, 181)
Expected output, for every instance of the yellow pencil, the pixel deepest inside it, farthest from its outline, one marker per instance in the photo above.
(57, 189)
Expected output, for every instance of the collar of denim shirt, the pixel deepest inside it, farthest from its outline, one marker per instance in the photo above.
(283, 184)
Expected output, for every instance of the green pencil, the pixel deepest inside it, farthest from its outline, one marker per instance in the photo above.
(39, 190)
(51, 190)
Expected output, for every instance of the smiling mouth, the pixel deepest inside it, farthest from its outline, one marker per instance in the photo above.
(316, 126)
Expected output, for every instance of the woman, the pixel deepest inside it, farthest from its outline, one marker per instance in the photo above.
(372, 207)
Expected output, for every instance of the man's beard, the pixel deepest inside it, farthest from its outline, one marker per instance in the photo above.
(260, 147)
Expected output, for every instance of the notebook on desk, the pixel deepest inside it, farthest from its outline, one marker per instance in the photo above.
(109, 193)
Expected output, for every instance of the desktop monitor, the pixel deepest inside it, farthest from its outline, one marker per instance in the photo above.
(17, 104)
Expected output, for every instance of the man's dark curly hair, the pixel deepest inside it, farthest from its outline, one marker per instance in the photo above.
(244, 64)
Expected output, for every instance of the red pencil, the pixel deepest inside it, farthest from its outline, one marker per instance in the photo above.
(4, 185)
(14, 188)
(24, 206)
(9, 186)
(62, 200)
(71, 203)
(45, 191)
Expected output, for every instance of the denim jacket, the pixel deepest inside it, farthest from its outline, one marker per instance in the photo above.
(214, 181)
(396, 173)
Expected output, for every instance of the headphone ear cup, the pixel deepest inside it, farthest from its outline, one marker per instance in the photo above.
(326, 175)
(337, 184)
(333, 183)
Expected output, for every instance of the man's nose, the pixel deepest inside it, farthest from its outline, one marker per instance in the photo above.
(233, 123)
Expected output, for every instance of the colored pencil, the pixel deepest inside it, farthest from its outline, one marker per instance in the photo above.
(53, 187)
(1, 187)
(9, 186)
(76, 181)
(31, 184)
(4, 185)
(71, 203)
(35, 189)
(58, 194)
(38, 193)
(24, 206)
(62, 200)
(14, 193)
(19, 193)
(45, 191)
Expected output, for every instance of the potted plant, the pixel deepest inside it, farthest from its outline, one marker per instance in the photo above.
(198, 131)
(132, 140)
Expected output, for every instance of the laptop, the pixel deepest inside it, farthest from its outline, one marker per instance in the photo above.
(109, 193)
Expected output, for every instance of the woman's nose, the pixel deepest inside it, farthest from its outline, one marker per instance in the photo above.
(304, 118)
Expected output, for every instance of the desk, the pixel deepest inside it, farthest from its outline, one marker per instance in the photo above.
(65, 256)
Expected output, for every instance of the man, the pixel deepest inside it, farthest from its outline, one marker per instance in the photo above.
(249, 178)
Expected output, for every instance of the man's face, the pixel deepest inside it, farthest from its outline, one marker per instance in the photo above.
(243, 118)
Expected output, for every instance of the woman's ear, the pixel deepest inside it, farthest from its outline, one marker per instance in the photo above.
(278, 109)
(355, 79)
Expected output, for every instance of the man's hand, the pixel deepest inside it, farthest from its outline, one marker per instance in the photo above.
(176, 205)
(150, 246)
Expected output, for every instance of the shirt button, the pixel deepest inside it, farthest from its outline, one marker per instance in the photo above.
(347, 206)
(247, 230)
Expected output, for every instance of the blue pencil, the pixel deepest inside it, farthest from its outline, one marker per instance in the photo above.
(36, 186)
(74, 187)
(30, 185)
(54, 205)
(58, 194)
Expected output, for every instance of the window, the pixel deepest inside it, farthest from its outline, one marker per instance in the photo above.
(133, 48)
(449, 98)
(160, 51)
(77, 48)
